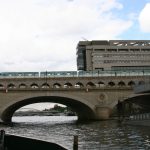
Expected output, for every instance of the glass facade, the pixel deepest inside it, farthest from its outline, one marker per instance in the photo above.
(81, 58)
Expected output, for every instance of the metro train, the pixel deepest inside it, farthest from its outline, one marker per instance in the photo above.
(38, 74)
(50, 74)
(73, 73)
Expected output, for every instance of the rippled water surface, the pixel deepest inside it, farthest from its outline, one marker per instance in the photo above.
(99, 135)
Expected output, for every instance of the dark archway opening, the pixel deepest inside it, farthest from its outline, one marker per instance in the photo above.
(139, 104)
(133, 105)
(83, 111)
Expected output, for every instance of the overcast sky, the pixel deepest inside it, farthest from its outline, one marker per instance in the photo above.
(40, 35)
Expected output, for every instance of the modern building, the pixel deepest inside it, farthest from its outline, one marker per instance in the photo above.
(113, 55)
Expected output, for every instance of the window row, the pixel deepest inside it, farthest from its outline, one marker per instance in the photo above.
(125, 61)
(122, 50)
(120, 56)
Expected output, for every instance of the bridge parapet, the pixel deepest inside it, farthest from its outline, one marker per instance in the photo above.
(72, 82)
(65, 89)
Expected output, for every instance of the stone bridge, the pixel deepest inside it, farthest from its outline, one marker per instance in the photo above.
(90, 97)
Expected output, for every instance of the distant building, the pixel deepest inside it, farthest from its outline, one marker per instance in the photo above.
(113, 55)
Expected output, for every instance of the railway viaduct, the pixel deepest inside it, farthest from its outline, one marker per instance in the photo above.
(92, 98)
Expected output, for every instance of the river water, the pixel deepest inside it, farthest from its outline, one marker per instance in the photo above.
(98, 135)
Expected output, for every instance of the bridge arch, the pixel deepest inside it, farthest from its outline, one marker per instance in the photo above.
(131, 83)
(111, 84)
(34, 85)
(121, 84)
(1, 86)
(45, 85)
(79, 85)
(67, 85)
(56, 85)
(22, 85)
(11, 86)
(101, 84)
(142, 102)
(83, 111)
(90, 84)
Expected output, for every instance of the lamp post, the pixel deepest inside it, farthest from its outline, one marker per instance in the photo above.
(46, 78)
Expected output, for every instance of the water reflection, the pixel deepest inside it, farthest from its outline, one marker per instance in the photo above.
(92, 135)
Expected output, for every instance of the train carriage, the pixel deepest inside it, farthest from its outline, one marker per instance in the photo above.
(58, 74)
(18, 74)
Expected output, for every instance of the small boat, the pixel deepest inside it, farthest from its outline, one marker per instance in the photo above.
(13, 142)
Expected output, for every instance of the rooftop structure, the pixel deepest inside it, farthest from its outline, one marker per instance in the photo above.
(113, 55)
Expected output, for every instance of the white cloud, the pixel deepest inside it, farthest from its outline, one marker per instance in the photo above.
(40, 35)
(144, 18)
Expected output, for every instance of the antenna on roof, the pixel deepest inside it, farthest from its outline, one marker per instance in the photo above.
(84, 39)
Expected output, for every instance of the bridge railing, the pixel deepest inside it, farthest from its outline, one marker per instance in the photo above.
(63, 88)
(96, 73)
(115, 73)
(144, 116)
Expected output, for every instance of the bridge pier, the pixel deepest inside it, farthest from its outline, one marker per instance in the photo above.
(103, 113)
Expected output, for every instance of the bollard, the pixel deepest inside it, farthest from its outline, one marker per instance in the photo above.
(2, 135)
(75, 142)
